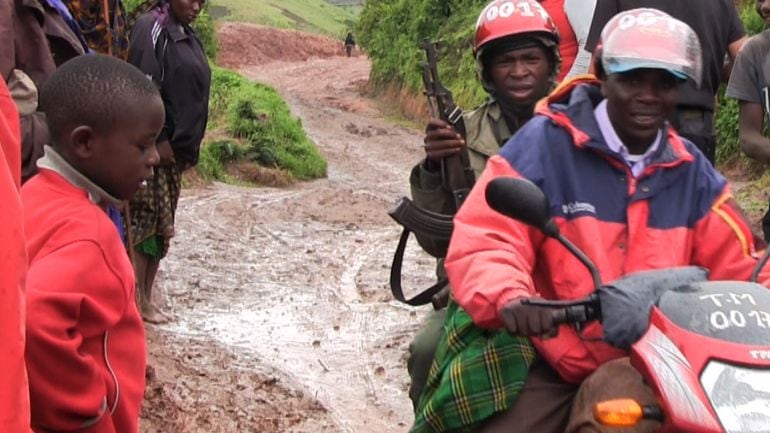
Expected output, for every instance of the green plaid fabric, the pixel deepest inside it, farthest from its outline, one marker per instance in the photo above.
(475, 374)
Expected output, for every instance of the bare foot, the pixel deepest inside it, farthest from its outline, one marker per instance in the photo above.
(151, 314)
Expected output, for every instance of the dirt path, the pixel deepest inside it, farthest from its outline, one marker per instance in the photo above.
(283, 319)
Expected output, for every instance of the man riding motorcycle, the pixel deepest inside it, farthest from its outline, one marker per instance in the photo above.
(628, 191)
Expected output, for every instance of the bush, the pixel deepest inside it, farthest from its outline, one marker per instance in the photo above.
(728, 142)
(258, 114)
(209, 167)
(391, 29)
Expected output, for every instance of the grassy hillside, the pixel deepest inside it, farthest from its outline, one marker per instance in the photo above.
(315, 16)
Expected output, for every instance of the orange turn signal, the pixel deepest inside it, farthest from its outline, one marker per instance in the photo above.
(618, 413)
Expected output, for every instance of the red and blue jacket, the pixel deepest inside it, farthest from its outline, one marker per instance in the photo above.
(678, 211)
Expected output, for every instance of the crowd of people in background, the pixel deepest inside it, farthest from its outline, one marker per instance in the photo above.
(88, 120)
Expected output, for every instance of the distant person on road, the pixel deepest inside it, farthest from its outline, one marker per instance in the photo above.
(750, 85)
(518, 61)
(165, 48)
(86, 351)
(14, 388)
(719, 30)
(349, 43)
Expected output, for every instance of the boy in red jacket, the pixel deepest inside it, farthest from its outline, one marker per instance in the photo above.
(85, 339)
(14, 397)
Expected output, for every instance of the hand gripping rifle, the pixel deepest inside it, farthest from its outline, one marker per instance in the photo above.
(456, 172)
(457, 177)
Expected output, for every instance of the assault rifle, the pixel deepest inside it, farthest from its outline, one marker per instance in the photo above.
(457, 177)
(456, 172)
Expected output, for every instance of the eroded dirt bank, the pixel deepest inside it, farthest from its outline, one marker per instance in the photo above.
(283, 319)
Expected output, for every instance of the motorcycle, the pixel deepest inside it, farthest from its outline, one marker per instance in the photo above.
(702, 346)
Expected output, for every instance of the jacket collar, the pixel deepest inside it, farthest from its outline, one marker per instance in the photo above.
(176, 30)
(571, 106)
(53, 161)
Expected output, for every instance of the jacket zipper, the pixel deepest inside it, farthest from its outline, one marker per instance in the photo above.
(112, 373)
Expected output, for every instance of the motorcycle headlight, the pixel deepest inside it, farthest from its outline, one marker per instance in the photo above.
(740, 396)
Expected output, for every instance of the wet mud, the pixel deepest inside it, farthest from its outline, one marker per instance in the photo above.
(283, 319)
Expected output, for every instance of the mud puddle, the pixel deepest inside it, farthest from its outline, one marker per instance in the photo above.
(288, 287)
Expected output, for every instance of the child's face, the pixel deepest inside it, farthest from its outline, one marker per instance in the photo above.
(123, 158)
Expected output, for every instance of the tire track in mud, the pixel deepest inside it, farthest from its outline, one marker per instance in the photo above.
(295, 280)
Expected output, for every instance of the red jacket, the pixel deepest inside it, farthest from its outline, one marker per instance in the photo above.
(14, 396)
(86, 351)
(678, 212)
(568, 44)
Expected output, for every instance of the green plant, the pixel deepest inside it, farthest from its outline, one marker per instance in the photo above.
(391, 29)
(257, 114)
(206, 30)
(726, 123)
(209, 167)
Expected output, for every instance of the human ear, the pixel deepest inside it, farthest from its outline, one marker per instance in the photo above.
(82, 141)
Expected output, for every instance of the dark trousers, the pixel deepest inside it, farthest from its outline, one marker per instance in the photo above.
(697, 125)
(547, 404)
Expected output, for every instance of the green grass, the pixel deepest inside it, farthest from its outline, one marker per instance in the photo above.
(257, 115)
(315, 16)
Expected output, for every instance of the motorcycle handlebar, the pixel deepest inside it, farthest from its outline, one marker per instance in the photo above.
(574, 314)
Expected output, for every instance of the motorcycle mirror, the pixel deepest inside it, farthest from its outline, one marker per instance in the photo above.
(523, 201)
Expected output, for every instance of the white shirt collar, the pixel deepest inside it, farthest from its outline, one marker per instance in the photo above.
(636, 162)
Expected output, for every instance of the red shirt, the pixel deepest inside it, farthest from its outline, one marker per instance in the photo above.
(14, 397)
(568, 45)
(86, 351)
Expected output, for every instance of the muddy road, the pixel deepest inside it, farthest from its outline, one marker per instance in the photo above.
(283, 319)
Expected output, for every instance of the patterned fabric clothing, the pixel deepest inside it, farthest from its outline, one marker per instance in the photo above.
(70, 20)
(476, 373)
(105, 31)
(153, 208)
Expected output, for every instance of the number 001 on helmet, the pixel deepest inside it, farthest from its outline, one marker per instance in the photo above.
(649, 38)
(504, 18)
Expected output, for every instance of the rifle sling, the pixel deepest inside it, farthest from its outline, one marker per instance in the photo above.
(422, 298)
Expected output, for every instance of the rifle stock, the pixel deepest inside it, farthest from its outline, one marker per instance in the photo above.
(418, 220)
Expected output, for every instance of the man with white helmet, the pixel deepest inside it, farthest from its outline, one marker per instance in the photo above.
(517, 56)
(627, 190)
(720, 32)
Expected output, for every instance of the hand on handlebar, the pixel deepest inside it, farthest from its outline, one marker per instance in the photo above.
(528, 320)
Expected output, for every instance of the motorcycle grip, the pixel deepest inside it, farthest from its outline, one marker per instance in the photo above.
(572, 315)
